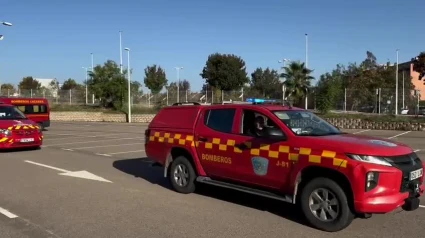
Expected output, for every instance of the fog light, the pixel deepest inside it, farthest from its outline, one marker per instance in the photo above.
(371, 180)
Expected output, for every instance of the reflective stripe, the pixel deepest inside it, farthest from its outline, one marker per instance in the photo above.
(271, 151)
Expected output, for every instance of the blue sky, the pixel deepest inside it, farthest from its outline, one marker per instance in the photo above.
(54, 39)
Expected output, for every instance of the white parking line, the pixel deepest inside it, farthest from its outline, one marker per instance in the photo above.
(124, 152)
(100, 146)
(417, 150)
(95, 141)
(422, 206)
(404, 133)
(103, 155)
(358, 132)
(71, 136)
(7, 213)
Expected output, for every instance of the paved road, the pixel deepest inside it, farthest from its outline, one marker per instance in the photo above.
(136, 201)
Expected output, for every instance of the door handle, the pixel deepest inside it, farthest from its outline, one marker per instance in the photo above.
(203, 139)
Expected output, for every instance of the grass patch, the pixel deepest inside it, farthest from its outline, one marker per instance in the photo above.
(376, 118)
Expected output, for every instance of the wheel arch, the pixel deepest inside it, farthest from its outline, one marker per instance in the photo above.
(311, 172)
(180, 151)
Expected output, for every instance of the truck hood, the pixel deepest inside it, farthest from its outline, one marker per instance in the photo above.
(4, 124)
(362, 145)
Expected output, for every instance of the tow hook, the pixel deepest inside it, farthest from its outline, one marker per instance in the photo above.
(365, 215)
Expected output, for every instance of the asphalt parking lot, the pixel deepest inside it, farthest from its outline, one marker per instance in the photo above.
(93, 180)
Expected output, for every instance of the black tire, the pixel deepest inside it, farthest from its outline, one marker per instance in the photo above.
(345, 215)
(189, 187)
(41, 126)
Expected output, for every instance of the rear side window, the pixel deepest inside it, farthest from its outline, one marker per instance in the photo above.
(220, 119)
(33, 109)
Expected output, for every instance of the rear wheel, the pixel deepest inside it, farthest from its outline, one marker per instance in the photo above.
(41, 126)
(182, 175)
(325, 205)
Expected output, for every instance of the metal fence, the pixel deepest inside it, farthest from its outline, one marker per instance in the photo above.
(381, 100)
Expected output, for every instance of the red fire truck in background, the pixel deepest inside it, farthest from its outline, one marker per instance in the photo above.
(35, 109)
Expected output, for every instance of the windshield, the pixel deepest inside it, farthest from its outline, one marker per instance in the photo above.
(11, 113)
(304, 123)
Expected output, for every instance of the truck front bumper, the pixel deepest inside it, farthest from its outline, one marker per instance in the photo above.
(388, 203)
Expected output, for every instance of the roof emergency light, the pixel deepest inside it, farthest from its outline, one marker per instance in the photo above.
(261, 100)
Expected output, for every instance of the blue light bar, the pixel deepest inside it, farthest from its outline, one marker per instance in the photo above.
(260, 100)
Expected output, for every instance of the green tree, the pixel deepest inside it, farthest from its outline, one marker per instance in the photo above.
(297, 81)
(266, 82)
(155, 78)
(28, 83)
(419, 65)
(108, 84)
(225, 71)
(7, 88)
(184, 85)
(71, 84)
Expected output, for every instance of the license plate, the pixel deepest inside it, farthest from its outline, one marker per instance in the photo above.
(416, 174)
(26, 140)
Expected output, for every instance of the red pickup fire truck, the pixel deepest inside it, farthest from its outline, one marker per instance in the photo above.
(16, 130)
(285, 153)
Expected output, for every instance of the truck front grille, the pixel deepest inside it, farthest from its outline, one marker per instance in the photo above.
(407, 163)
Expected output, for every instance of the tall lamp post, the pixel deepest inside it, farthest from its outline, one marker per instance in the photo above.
(87, 72)
(129, 84)
(306, 65)
(282, 61)
(396, 85)
(178, 83)
(120, 51)
(4, 23)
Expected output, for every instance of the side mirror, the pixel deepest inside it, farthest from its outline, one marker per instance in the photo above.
(275, 133)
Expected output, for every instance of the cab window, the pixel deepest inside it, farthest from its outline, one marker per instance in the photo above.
(220, 119)
(253, 123)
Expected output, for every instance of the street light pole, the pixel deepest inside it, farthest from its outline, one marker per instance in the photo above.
(86, 69)
(403, 89)
(306, 66)
(396, 85)
(121, 52)
(283, 83)
(4, 23)
(178, 83)
(92, 61)
(129, 84)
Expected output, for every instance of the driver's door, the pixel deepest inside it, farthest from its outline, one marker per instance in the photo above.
(264, 161)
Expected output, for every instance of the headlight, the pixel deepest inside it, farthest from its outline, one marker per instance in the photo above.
(370, 159)
(5, 132)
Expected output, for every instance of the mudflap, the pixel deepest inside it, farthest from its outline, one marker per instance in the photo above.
(411, 204)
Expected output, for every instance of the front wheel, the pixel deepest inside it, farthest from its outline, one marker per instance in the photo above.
(325, 205)
(182, 175)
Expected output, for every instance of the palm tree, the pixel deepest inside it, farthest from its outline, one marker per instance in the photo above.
(297, 81)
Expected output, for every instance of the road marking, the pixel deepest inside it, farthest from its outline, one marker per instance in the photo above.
(125, 152)
(77, 174)
(7, 213)
(47, 166)
(75, 136)
(361, 131)
(67, 149)
(94, 141)
(422, 206)
(404, 133)
(416, 150)
(103, 155)
(100, 146)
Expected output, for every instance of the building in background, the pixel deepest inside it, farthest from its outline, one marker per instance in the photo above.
(406, 69)
(46, 83)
